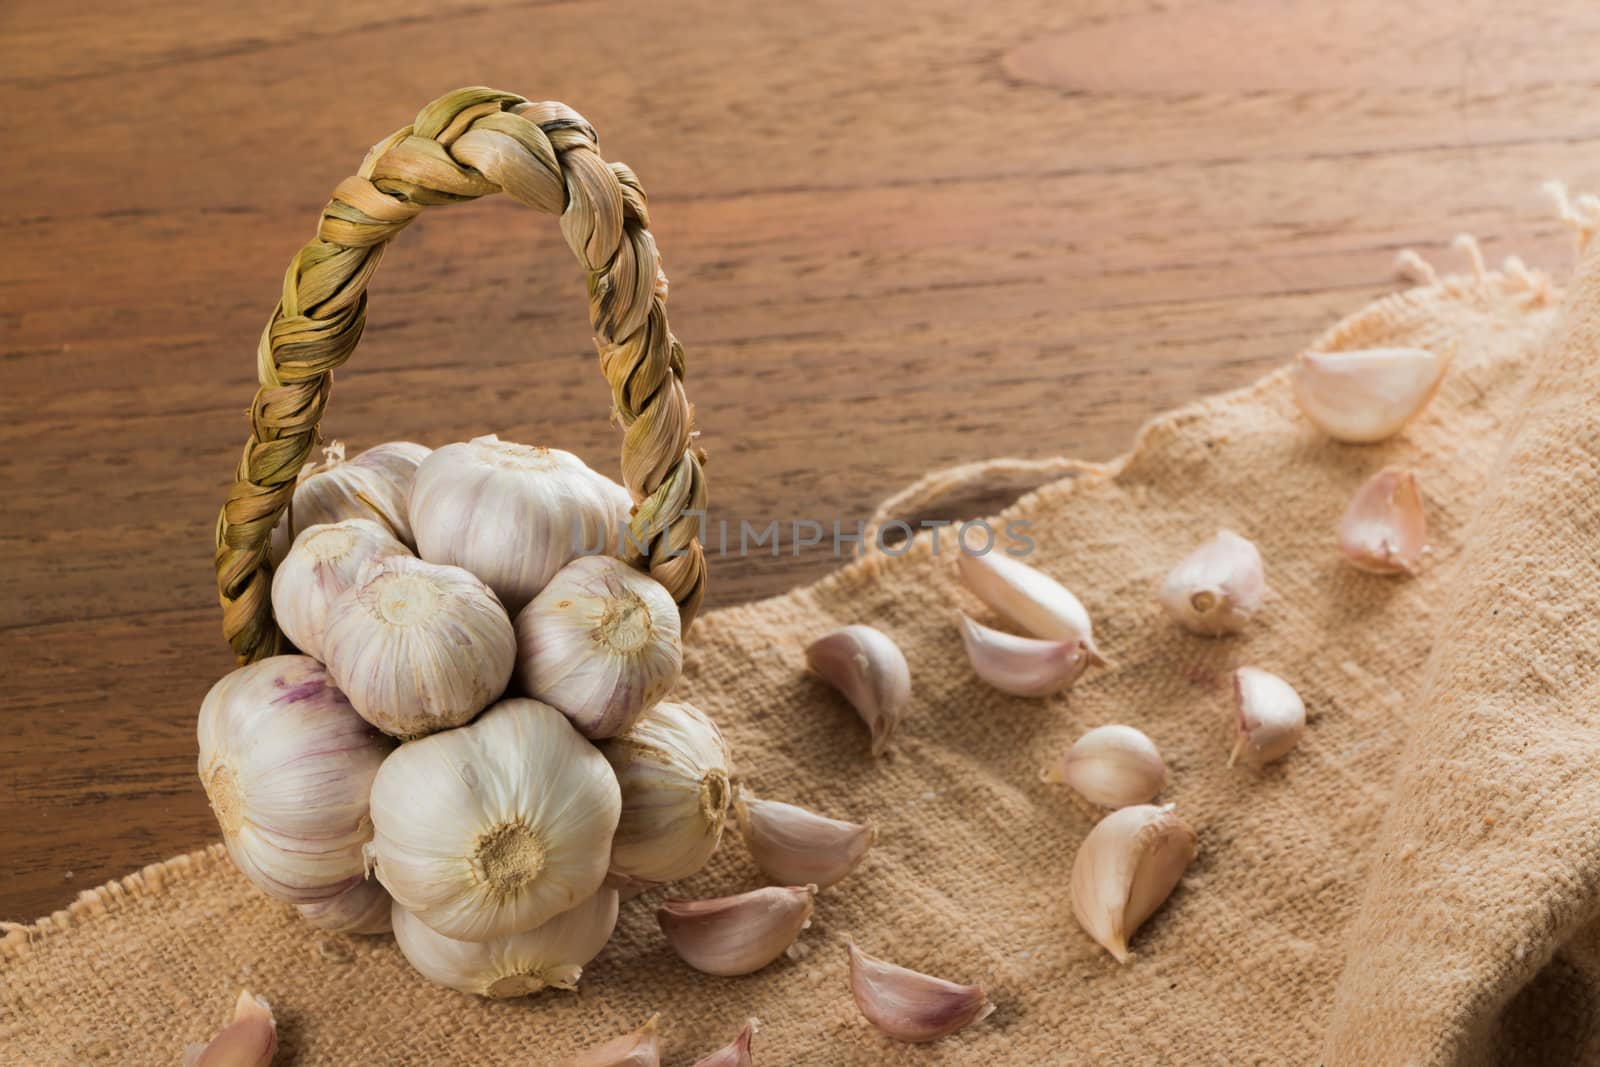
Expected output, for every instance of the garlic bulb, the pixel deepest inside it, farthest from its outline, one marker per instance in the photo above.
(741, 934)
(735, 1054)
(1112, 766)
(496, 827)
(551, 955)
(1217, 587)
(911, 1006)
(793, 846)
(375, 485)
(512, 514)
(249, 1040)
(641, 1048)
(1029, 598)
(418, 647)
(1271, 717)
(361, 909)
(600, 643)
(865, 665)
(323, 563)
(1023, 666)
(1125, 869)
(287, 764)
(673, 769)
(1369, 394)
(1385, 530)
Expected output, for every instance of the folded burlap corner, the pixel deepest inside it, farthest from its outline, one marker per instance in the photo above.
(1433, 841)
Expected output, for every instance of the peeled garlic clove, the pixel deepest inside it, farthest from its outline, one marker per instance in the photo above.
(866, 666)
(740, 934)
(1217, 587)
(287, 764)
(1029, 598)
(376, 485)
(324, 562)
(910, 1006)
(1271, 717)
(1112, 766)
(552, 955)
(736, 1054)
(600, 644)
(673, 770)
(495, 827)
(361, 909)
(418, 647)
(793, 846)
(1023, 666)
(249, 1040)
(642, 1048)
(1384, 530)
(1125, 869)
(512, 514)
(1369, 394)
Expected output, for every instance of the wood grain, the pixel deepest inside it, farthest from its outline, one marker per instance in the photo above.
(900, 235)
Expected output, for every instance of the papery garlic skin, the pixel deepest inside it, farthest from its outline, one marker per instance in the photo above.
(1385, 529)
(323, 563)
(736, 1053)
(1113, 766)
(249, 1040)
(1125, 869)
(551, 955)
(287, 764)
(1217, 588)
(1029, 598)
(1270, 717)
(512, 514)
(361, 909)
(419, 647)
(1023, 666)
(641, 1048)
(673, 768)
(376, 485)
(496, 827)
(1366, 395)
(911, 1006)
(601, 643)
(793, 846)
(865, 665)
(741, 934)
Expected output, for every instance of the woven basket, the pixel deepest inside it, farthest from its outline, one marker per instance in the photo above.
(466, 144)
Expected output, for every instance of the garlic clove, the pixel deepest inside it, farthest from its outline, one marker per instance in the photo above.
(1270, 716)
(361, 909)
(1216, 588)
(376, 485)
(1366, 395)
(1029, 598)
(600, 644)
(736, 1054)
(1385, 530)
(674, 772)
(495, 827)
(249, 1040)
(910, 1006)
(793, 846)
(1113, 766)
(1023, 666)
(325, 561)
(418, 647)
(552, 955)
(866, 666)
(740, 934)
(1128, 865)
(641, 1048)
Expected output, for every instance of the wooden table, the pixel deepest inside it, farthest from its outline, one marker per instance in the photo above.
(900, 235)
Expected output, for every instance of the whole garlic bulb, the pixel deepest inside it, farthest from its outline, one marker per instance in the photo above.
(361, 909)
(551, 955)
(673, 768)
(512, 514)
(496, 827)
(418, 647)
(601, 643)
(323, 563)
(287, 765)
(375, 485)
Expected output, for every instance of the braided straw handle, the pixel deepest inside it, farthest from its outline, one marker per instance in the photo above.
(467, 144)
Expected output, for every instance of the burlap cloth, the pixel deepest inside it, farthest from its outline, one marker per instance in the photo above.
(1435, 839)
